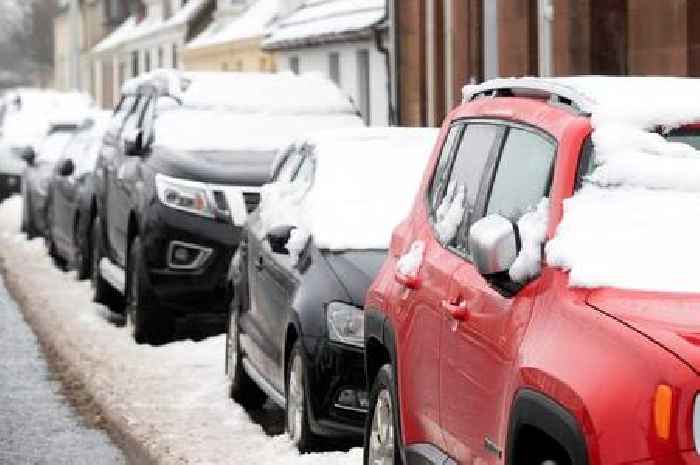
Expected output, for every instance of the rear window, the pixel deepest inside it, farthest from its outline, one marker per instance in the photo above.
(690, 136)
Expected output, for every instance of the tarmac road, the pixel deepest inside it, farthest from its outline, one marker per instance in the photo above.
(37, 425)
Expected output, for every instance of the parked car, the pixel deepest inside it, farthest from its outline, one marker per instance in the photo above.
(179, 171)
(25, 119)
(300, 274)
(71, 197)
(37, 175)
(472, 360)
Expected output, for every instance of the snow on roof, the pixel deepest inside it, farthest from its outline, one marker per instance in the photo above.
(250, 24)
(280, 93)
(131, 30)
(364, 185)
(320, 21)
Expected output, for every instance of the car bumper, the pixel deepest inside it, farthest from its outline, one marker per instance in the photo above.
(203, 289)
(334, 371)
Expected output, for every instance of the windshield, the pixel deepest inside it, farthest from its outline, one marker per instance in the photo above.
(53, 147)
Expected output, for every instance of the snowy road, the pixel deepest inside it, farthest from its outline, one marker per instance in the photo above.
(169, 402)
(38, 427)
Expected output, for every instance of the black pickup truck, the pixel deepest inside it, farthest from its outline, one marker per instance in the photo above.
(180, 168)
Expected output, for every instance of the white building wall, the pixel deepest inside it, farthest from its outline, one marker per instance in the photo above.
(317, 59)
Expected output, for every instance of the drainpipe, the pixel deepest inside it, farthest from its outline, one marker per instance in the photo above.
(382, 48)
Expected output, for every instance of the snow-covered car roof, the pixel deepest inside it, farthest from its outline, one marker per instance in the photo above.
(364, 184)
(280, 93)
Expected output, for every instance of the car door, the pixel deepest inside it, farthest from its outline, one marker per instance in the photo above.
(64, 197)
(418, 314)
(484, 316)
(270, 285)
(117, 198)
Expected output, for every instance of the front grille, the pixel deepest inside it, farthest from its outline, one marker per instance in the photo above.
(252, 199)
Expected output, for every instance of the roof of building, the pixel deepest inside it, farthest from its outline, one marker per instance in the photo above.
(251, 23)
(131, 30)
(324, 21)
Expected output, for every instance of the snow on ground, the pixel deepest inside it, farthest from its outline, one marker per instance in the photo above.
(173, 398)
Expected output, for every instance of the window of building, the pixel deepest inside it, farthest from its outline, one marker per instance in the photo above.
(239, 65)
(263, 64)
(334, 67)
(160, 57)
(146, 61)
(294, 64)
(134, 63)
(363, 86)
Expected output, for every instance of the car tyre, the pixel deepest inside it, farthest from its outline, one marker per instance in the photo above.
(242, 389)
(148, 323)
(296, 411)
(104, 293)
(82, 260)
(381, 428)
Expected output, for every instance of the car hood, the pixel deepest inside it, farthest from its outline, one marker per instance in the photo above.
(671, 320)
(244, 168)
(356, 270)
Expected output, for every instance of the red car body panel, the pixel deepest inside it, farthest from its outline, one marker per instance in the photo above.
(598, 354)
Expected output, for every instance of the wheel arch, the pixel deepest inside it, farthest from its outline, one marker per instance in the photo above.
(534, 410)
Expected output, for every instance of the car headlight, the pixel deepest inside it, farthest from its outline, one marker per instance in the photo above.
(185, 195)
(696, 423)
(346, 324)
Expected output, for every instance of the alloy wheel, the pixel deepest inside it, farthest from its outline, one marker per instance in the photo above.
(381, 441)
(295, 400)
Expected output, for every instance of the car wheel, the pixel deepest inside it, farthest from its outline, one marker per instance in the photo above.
(242, 389)
(28, 226)
(104, 293)
(82, 261)
(297, 416)
(148, 323)
(381, 430)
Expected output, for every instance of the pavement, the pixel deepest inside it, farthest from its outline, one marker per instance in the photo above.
(37, 425)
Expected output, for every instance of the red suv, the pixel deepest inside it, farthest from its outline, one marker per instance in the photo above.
(467, 365)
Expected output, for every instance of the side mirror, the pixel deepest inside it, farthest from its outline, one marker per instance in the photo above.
(133, 142)
(66, 167)
(278, 238)
(493, 243)
(29, 155)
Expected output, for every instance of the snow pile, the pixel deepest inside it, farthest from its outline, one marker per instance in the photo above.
(532, 227)
(172, 398)
(221, 130)
(364, 184)
(322, 18)
(409, 264)
(634, 223)
(450, 213)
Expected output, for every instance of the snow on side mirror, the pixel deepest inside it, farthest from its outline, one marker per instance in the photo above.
(493, 244)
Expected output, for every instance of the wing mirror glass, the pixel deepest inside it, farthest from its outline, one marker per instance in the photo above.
(493, 243)
(278, 238)
(66, 167)
(133, 142)
(29, 155)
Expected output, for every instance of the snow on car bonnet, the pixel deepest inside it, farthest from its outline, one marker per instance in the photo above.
(635, 222)
(362, 185)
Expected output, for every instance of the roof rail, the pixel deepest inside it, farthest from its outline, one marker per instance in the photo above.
(557, 93)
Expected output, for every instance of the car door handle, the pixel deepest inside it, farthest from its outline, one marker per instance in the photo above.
(259, 264)
(457, 311)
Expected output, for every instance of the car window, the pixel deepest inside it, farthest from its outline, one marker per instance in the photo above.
(456, 207)
(523, 175)
(122, 111)
(305, 173)
(134, 118)
(148, 121)
(441, 176)
(289, 167)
